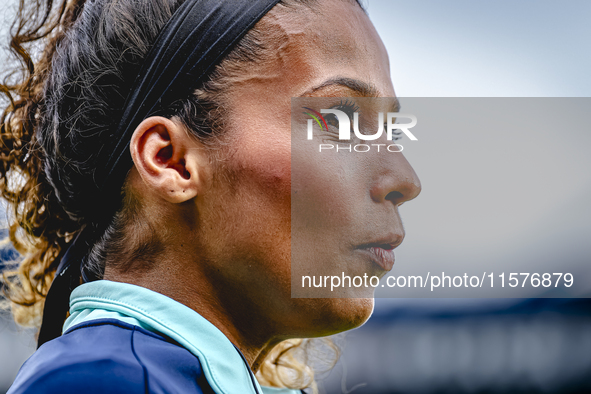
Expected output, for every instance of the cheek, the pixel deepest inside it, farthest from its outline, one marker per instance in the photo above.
(266, 164)
(262, 153)
(327, 193)
(260, 172)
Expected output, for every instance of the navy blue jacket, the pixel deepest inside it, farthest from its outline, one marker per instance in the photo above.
(110, 356)
(122, 338)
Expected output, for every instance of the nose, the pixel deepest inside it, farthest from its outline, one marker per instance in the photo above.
(398, 184)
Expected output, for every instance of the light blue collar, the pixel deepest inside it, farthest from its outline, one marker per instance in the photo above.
(224, 368)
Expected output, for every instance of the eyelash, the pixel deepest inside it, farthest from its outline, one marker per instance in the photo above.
(350, 107)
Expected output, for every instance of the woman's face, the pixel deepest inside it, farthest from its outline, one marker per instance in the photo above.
(332, 51)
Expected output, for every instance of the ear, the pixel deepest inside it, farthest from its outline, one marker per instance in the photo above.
(168, 159)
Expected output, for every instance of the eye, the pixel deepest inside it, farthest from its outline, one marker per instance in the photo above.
(348, 106)
(396, 134)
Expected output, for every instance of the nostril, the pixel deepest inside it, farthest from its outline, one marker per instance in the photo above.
(394, 196)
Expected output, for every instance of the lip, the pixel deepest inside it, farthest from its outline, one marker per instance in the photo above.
(382, 255)
(381, 251)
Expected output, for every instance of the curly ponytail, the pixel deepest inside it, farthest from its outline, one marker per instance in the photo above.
(38, 228)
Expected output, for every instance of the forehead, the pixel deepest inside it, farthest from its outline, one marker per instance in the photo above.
(345, 44)
(332, 40)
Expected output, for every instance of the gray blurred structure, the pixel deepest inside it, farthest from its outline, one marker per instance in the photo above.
(534, 346)
(16, 345)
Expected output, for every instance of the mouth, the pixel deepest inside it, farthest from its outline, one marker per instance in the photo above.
(381, 253)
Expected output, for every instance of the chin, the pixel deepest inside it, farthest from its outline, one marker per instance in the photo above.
(329, 316)
(352, 312)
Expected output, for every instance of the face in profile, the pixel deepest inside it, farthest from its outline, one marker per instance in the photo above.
(340, 214)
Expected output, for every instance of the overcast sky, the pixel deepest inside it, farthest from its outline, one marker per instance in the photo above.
(526, 48)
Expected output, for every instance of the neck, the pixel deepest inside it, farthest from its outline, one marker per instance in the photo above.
(247, 331)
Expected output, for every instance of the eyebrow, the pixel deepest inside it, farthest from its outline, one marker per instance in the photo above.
(362, 88)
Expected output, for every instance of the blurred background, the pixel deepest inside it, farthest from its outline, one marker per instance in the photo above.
(516, 206)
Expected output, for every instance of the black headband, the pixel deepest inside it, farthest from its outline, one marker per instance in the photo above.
(197, 37)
